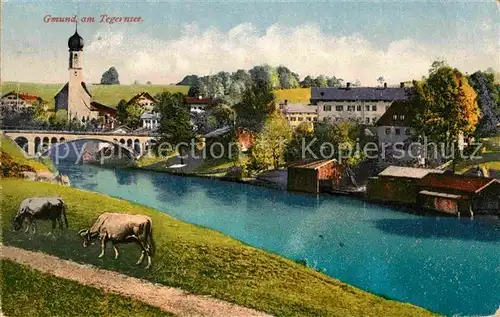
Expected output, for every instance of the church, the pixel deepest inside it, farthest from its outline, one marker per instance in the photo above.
(74, 96)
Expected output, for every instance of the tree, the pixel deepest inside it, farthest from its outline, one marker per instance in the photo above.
(437, 64)
(265, 75)
(148, 83)
(258, 102)
(242, 76)
(334, 82)
(444, 106)
(174, 124)
(224, 78)
(308, 82)
(110, 77)
(488, 102)
(194, 89)
(381, 80)
(286, 79)
(303, 134)
(129, 115)
(270, 145)
(320, 81)
(121, 111)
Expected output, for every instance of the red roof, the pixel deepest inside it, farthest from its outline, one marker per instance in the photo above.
(470, 184)
(22, 96)
(199, 101)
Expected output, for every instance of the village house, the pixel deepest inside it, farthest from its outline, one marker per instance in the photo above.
(17, 101)
(199, 104)
(150, 120)
(459, 194)
(362, 104)
(296, 114)
(144, 100)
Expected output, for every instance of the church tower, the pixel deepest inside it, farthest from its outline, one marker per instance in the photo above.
(74, 97)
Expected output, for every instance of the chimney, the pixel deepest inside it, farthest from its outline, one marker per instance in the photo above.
(401, 85)
(286, 102)
(348, 85)
(385, 85)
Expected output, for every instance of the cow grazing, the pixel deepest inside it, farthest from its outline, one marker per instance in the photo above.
(41, 208)
(122, 228)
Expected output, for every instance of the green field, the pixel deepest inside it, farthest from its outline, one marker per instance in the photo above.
(197, 259)
(27, 292)
(107, 94)
(295, 95)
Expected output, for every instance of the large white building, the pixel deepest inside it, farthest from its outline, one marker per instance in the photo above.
(296, 114)
(362, 104)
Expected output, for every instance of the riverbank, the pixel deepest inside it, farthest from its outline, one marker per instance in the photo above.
(199, 260)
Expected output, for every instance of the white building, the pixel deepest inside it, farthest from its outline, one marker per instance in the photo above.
(199, 105)
(362, 104)
(150, 120)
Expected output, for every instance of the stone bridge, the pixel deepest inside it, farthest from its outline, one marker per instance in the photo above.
(40, 142)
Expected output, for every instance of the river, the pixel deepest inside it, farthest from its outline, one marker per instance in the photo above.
(447, 265)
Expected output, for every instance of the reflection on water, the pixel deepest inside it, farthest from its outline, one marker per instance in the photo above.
(447, 265)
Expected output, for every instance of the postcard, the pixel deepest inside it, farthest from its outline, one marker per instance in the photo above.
(250, 158)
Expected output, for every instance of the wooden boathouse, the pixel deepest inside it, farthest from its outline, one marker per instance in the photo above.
(459, 194)
(313, 176)
(397, 184)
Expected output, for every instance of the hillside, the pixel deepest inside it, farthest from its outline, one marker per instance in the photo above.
(295, 95)
(197, 259)
(107, 94)
(13, 155)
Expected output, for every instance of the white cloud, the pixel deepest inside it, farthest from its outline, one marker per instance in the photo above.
(304, 49)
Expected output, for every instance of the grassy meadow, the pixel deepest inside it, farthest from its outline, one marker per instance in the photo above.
(107, 94)
(28, 292)
(196, 259)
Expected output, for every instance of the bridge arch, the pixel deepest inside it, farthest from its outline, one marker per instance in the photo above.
(53, 140)
(22, 142)
(122, 147)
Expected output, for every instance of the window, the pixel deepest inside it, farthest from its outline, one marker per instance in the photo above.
(351, 108)
(407, 131)
(367, 108)
(308, 118)
(398, 131)
(402, 117)
(395, 117)
(367, 120)
(315, 119)
(374, 108)
(358, 108)
(327, 108)
(293, 119)
(387, 131)
(324, 119)
(301, 118)
(374, 119)
(339, 108)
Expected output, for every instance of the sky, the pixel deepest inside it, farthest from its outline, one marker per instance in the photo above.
(353, 40)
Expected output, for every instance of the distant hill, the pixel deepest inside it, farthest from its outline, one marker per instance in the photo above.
(295, 95)
(107, 94)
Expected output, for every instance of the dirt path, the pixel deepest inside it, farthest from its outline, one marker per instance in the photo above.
(169, 299)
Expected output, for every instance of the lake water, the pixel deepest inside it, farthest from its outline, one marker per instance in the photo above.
(448, 265)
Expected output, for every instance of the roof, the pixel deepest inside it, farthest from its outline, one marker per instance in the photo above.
(65, 87)
(312, 164)
(199, 101)
(358, 93)
(144, 94)
(22, 96)
(408, 172)
(98, 105)
(122, 127)
(218, 132)
(298, 108)
(397, 108)
(470, 184)
(85, 88)
(443, 195)
(149, 115)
